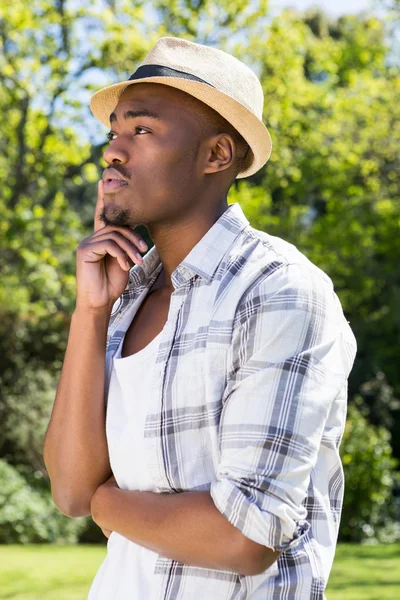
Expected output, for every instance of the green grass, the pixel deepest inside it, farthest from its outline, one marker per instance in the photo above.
(365, 573)
(45, 572)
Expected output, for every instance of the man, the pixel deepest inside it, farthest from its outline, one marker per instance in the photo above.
(203, 394)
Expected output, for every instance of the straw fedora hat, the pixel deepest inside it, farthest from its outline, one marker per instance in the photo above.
(213, 76)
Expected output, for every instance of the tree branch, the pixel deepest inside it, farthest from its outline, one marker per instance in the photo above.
(20, 176)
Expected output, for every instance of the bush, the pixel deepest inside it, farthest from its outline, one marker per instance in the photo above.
(25, 408)
(30, 516)
(368, 509)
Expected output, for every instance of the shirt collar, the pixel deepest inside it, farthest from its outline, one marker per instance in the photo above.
(204, 257)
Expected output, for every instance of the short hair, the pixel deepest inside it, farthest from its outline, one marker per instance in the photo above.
(211, 123)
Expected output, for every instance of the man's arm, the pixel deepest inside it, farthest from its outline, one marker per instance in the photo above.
(186, 527)
(290, 356)
(75, 446)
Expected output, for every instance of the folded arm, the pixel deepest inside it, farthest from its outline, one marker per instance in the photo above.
(186, 527)
(291, 354)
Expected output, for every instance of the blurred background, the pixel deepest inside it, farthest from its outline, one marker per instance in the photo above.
(330, 71)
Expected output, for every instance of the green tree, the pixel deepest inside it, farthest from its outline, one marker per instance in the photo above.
(369, 467)
(331, 186)
(28, 517)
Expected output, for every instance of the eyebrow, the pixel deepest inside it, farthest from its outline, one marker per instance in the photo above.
(132, 114)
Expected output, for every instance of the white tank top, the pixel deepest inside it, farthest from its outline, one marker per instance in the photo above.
(127, 570)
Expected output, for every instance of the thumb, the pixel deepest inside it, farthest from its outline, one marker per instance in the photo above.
(98, 223)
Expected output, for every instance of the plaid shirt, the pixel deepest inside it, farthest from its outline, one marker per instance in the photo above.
(249, 403)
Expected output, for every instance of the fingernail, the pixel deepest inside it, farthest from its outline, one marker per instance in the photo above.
(143, 244)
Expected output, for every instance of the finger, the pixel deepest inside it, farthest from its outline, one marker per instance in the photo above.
(130, 249)
(133, 236)
(98, 223)
(95, 252)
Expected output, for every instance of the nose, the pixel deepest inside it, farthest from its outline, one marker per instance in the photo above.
(116, 153)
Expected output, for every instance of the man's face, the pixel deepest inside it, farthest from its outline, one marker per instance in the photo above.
(157, 158)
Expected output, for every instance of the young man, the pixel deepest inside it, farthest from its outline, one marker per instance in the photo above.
(203, 394)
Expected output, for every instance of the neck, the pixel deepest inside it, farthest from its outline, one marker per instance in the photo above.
(174, 242)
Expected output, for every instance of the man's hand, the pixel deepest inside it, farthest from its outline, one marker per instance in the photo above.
(104, 260)
(111, 482)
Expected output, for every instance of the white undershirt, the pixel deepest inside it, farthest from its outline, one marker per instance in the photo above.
(127, 570)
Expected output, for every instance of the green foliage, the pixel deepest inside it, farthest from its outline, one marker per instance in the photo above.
(36, 297)
(370, 477)
(29, 403)
(331, 186)
(29, 517)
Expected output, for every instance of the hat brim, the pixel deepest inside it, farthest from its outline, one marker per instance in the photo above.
(249, 126)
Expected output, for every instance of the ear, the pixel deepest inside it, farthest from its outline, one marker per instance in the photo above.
(220, 153)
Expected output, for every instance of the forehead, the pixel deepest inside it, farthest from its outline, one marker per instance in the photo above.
(169, 103)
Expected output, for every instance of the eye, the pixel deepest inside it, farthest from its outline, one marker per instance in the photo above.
(110, 135)
(145, 130)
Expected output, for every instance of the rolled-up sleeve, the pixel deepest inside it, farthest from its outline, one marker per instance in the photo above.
(291, 353)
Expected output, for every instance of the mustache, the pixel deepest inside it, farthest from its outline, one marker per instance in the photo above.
(122, 171)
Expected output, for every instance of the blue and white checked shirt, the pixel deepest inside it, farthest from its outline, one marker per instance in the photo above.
(249, 402)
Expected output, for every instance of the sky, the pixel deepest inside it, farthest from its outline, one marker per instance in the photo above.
(332, 7)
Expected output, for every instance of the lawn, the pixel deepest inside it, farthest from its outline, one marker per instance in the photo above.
(65, 573)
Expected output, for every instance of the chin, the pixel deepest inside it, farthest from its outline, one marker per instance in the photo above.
(118, 216)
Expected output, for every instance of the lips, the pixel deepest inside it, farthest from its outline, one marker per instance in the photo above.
(111, 185)
(113, 180)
